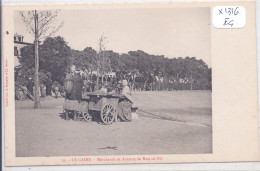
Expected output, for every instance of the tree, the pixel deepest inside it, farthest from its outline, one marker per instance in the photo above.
(84, 60)
(54, 53)
(101, 60)
(90, 57)
(128, 63)
(113, 61)
(39, 24)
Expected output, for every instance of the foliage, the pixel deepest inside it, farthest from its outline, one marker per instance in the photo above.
(85, 59)
(174, 73)
(54, 56)
(23, 74)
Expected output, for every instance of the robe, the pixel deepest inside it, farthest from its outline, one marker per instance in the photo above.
(125, 104)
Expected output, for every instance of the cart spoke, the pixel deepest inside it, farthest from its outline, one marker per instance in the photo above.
(105, 117)
(86, 116)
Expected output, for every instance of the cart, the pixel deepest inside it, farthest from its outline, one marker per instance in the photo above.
(104, 104)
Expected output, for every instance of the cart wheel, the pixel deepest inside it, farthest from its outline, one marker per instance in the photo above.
(79, 115)
(86, 116)
(108, 114)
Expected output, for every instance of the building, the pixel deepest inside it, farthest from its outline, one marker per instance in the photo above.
(18, 45)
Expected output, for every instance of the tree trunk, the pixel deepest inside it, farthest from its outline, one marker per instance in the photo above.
(36, 78)
(98, 70)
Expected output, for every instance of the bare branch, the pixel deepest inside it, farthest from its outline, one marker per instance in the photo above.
(45, 20)
(28, 20)
(51, 33)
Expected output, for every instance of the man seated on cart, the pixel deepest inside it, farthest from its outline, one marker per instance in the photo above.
(73, 95)
(125, 104)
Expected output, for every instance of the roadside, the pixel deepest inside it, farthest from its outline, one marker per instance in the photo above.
(43, 132)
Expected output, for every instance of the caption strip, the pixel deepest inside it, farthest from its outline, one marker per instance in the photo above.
(86, 160)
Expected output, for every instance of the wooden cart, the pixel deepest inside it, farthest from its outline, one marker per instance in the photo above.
(104, 104)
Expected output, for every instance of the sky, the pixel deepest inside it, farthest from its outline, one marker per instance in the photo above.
(172, 32)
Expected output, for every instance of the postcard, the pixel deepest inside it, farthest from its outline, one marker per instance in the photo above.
(129, 83)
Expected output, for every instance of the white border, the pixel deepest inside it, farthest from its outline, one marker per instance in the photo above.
(198, 166)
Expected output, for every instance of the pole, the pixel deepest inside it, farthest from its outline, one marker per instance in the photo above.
(98, 70)
(36, 76)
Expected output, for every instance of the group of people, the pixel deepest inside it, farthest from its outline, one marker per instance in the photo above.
(23, 92)
(74, 85)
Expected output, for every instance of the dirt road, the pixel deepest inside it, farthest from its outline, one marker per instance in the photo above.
(169, 123)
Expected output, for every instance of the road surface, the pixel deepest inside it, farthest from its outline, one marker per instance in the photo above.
(174, 122)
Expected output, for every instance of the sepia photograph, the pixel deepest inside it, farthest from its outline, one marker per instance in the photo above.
(129, 83)
(94, 82)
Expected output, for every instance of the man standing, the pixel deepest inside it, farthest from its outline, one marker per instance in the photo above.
(74, 96)
(30, 86)
(76, 93)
